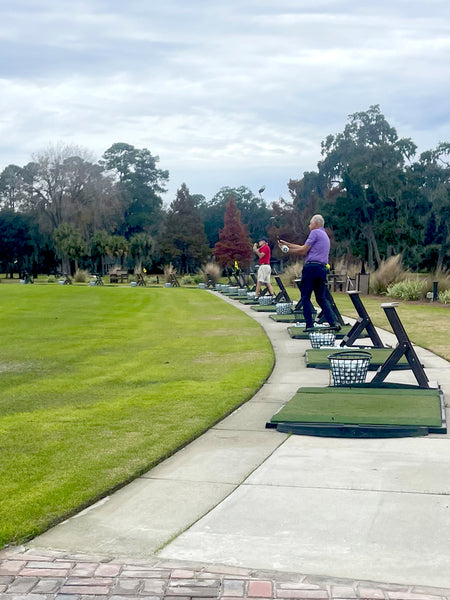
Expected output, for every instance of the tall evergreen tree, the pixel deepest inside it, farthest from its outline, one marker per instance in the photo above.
(432, 178)
(140, 183)
(184, 241)
(12, 185)
(16, 241)
(234, 242)
(255, 213)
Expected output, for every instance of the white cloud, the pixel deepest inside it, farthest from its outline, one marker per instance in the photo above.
(244, 90)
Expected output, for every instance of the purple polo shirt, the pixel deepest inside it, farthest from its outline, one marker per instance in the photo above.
(320, 246)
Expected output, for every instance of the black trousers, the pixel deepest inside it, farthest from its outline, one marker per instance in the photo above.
(314, 279)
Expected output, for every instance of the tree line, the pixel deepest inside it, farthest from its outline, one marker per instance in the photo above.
(63, 210)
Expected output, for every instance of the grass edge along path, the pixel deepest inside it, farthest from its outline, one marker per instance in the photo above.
(98, 385)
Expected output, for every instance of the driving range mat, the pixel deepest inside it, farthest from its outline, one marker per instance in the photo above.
(264, 308)
(363, 411)
(291, 318)
(298, 333)
(317, 358)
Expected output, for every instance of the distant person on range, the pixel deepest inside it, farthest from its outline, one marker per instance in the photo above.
(314, 275)
(262, 251)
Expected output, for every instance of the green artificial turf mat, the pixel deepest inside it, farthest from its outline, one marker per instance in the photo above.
(363, 406)
(318, 357)
(248, 301)
(292, 318)
(298, 333)
(264, 308)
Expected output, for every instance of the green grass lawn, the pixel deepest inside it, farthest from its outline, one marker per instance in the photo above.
(99, 384)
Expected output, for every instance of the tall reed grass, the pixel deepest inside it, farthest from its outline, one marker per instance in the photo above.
(293, 271)
(211, 270)
(393, 280)
(389, 272)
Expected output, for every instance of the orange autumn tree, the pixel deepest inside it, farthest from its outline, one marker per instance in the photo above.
(234, 242)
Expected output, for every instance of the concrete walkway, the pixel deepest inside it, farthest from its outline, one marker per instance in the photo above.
(249, 512)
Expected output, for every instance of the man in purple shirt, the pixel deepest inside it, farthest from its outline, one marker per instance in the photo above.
(314, 275)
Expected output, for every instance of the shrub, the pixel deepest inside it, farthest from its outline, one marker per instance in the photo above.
(81, 276)
(51, 279)
(408, 289)
(444, 297)
(211, 271)
(389, 272)
(187, 280)
(293, 271)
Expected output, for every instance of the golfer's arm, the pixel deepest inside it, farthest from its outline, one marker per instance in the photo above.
(300, 250)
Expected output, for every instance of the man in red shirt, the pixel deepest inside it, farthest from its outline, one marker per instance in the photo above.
(262, 251)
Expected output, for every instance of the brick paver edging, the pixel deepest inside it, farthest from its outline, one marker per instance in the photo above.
(31, 575)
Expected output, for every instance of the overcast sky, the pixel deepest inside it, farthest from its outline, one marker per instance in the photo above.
(225, 92)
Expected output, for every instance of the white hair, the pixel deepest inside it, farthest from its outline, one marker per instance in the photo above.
(318, 219)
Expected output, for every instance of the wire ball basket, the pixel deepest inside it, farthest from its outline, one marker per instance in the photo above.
(349, 366)
(322, 338)
(265, 300)
(283, 308)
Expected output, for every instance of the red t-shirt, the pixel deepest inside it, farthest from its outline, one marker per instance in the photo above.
(264, 260)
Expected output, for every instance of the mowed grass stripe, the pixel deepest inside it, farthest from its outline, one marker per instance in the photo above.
(99, 384)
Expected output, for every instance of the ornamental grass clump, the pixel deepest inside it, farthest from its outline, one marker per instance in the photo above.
(444, 297)
(152, 279)
(169, 270)
(188, 280)
(442, 276)
(293, 272)
(389, 272)
(81, 276)
(211, 271)
(408, 289)
(347, 265)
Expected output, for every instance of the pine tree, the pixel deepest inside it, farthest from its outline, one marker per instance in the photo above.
(234, 243)
(184, 242)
